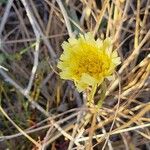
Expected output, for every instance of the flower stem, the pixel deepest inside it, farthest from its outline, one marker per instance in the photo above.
(91, 95)
(102, 96)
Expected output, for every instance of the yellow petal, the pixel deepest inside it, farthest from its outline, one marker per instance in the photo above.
(81, 86)
(65, 75)
(86, 78)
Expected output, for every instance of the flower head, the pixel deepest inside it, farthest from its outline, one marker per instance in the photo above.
(87, 61)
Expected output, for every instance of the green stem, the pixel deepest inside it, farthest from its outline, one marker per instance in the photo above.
(91, 95)
(102, 96)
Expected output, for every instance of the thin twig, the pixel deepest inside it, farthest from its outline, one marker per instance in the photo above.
(6, 14)
(35, 65)
(19, 129)
(36, 105)
(37, 28)
(75, 130)
(128, 61)
(116, 112)
(22, 91)
(116, 132)
(68, 25)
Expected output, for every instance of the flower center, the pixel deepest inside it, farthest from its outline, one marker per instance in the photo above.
(91, 64)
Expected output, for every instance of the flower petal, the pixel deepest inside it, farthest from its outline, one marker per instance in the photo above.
(86, 78)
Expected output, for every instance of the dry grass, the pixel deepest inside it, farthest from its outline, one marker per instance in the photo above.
(38, 109)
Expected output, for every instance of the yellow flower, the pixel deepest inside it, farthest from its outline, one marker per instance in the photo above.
(87, 61)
